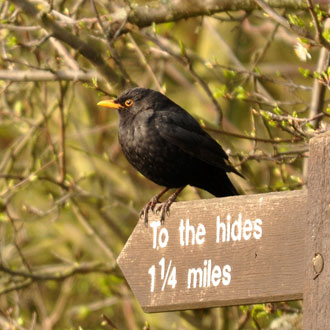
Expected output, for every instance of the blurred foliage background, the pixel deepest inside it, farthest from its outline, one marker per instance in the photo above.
(69, 199)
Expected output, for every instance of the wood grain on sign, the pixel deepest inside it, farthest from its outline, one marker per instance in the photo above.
(317, 277)
(256, 268)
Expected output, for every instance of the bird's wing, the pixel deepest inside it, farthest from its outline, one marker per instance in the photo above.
(183, 131)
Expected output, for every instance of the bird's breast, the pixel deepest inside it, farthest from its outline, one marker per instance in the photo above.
(151, 155)
(142, 145)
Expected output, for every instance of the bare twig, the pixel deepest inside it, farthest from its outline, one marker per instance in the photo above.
(92, 232)
(253, 138)
(279, 19)
(319, 90)
(83, 268)
(61, 301)
(62, 151)
(161, 12)
(318, 33)
(109, 322)
(58, 32)
(19, 28)
(145, 63)
(45, 75)
(185, 60)
(319, 40)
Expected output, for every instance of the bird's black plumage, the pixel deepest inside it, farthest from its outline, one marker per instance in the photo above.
(168, 146)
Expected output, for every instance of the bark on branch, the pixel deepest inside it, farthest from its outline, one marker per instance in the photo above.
(42, 75)
(60, 33)
(161, 12)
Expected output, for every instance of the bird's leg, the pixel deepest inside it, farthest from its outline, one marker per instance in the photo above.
(156, 200)
(151, 205)
(164, 208)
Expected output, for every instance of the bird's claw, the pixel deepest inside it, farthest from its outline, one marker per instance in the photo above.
(164, 210)
(154, 201)
(144, 214)
(149, 206)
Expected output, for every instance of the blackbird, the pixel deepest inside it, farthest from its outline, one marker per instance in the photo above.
(168, 146)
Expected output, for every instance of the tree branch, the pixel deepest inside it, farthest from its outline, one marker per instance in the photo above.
(45, 75)
(297, 29)
(93, 233)
(161, 12)
(60, 33)
(318, 33)
(83, 268)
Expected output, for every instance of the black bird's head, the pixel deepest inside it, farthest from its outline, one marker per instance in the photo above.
(134, 100)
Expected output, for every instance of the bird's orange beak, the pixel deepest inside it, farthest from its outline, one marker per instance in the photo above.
(110, 104)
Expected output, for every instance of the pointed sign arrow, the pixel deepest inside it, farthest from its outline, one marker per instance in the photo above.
(217, 252)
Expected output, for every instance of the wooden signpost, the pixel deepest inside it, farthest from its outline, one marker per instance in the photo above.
(239, 250)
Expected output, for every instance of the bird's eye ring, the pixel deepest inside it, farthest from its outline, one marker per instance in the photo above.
(129, 102)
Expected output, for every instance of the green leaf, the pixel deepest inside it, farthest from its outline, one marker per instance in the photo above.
(296, 178)
(295, 20)
(18, 107)
(279, 184)
(83, 312)
(94, 81)
(69, 178)
(67, 205)
(220, 92)
(257, 309)
(229, 74)
(265, 114)
(182, 48)
(244, 308)
(114, 279)
(319, 13)
(33, 177)
(154, 27)
(263, 314)
(11, 41)
(3, 217)
(310, 126)
(278, 111)
(20, 321)
(81, 25)
(305, 72)
(240, 93)
(326, 34)
(257, 70)
(303, 41)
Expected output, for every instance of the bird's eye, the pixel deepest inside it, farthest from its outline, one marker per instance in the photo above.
(129, 102)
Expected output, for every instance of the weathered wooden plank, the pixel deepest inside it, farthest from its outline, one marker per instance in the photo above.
(265, 264)
(317, 281)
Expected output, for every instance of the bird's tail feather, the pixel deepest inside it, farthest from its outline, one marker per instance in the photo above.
(218, 184)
